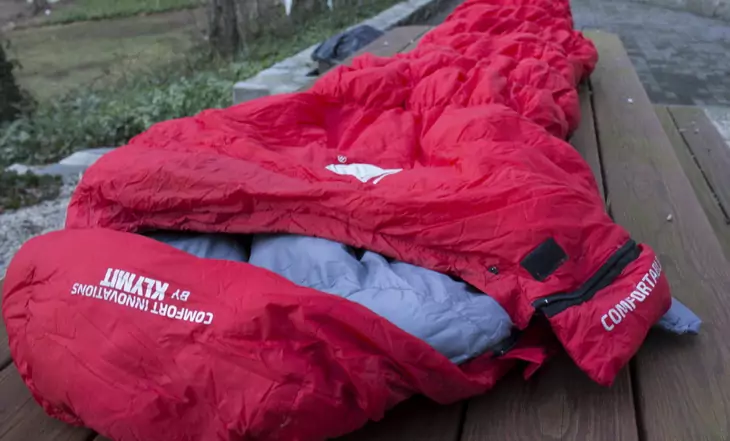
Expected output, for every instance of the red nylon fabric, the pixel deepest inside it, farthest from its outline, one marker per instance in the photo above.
(469, 132)
(276, 362)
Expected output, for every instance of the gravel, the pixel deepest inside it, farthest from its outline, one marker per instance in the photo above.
(16, 227)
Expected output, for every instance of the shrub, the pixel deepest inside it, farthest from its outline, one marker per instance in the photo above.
(96, 119)
(12, 99)
(110, 117)
(27, 189)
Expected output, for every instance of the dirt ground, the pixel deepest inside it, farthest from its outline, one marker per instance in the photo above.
(57, 59)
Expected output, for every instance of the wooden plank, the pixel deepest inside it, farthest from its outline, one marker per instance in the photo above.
(696, 178)
(4, 348)
(560, 402)
(584, 138)
(416, 419)
(708, 147)
(392, 42)
(682, 383)
(22, 419)
(412, 45)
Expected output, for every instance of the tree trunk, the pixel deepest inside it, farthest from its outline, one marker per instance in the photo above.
(11, 97)
(39, 6)
(223, 27)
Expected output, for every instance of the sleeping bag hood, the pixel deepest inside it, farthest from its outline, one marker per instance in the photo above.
(441, 170)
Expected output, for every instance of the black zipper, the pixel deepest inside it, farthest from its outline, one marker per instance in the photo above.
(606, 274)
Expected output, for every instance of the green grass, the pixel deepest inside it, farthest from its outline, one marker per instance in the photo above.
(109, 114)
(101, 83)
(83, 10)
(58, 59)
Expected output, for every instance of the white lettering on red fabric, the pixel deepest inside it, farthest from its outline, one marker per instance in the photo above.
(641, 292)
(143, 294)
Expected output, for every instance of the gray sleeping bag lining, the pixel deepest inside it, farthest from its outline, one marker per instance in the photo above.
(451, 316)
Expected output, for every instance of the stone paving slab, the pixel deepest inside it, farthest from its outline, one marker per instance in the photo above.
(708, 8)
(72, 165)
(720, 116)
(680, 57)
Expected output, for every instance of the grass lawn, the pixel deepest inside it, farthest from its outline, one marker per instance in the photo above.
(98, 83)
(57, 59)
(81, 10)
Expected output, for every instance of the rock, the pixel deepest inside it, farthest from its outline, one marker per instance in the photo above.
(16, 227)
(85, 158)
(19, 169)
(246, 91)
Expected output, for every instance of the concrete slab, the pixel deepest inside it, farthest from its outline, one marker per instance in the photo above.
(681, 58)
(707, 8)
(63, 170)
(291, 74)
(70, 166)
(246, 91)
(85, 158)
(22, 169)
(720, 117)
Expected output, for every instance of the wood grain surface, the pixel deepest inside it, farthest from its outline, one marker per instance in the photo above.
(392, 42)
(584, 138)
(4, 348)
(697, 179)
(560, 402)
(683, 383)
(22, 419)
(708, 147)
(416, 419)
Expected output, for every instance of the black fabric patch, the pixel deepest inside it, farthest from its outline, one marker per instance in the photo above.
(606, 274)
(544, 260)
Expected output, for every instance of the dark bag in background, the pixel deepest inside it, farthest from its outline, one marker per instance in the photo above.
(336, 49)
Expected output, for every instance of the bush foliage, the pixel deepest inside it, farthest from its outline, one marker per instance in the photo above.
(18, 190)
(95, 119)
(110, 117)
(13, 101)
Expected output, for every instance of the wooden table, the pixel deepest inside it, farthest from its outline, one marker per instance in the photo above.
(664, 175)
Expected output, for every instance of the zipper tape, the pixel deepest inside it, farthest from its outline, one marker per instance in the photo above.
(606, 274)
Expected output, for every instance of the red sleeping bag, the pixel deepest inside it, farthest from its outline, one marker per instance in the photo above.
(451, 157)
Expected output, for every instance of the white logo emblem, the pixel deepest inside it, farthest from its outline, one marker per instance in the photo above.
(363, 172)
(342, 159)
